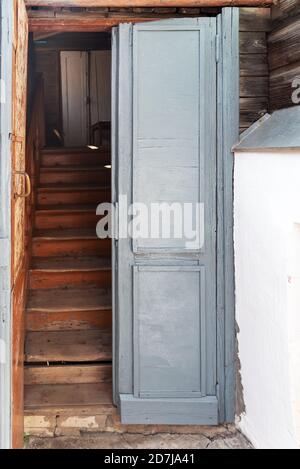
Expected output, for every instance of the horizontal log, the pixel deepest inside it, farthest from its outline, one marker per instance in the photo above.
(254, 87)
(253, 43)
(144, 3)
(252, 109)
(254, 65)
(255, 19)
(83, 24)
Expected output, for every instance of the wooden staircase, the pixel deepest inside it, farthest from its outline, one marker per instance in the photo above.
(68, 347)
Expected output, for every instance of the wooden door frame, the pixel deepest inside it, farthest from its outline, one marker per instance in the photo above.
(5, 224)
(228, 124)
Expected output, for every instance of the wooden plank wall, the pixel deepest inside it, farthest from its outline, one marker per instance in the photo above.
(255, 23)
(284, 53)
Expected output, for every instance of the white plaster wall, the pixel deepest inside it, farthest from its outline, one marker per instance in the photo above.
(267, 262)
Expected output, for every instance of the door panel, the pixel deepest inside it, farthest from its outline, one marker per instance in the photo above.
(74, 98)
(169, 325)
(165, 288)
(18, 208)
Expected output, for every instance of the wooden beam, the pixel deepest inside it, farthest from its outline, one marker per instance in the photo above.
(82, 24)
(144, 3)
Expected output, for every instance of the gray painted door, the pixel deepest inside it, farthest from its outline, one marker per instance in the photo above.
(164, 151)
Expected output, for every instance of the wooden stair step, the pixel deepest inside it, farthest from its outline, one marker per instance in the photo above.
(68, 374)
(71, 263)
(57, 300)
(67, 395)
(74, 150)
(57, 195)
(69, 242)
(75, 157)
(66, 216)
(70, 272)
(68, 346)
(75, 175)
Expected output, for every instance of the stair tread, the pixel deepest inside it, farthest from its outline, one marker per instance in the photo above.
(55, 300)
(73, 233)
(68, 346)
(71, 263)
(58, 169)
(67, 208)
(73, 188)
(67, 395)
(68, 374)
(63, 150)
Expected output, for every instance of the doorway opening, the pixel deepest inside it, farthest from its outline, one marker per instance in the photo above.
(68, 333)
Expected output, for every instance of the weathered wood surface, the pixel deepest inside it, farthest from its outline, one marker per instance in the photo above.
(67, 395)
(19, 254)
(144, 3)
(284, 55)
(68, 346)
(71, 374)
(254, 70)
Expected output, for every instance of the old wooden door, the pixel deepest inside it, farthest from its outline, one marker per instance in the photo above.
(20, 186)
(164, 151)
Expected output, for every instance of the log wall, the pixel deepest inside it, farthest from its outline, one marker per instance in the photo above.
(284, 53)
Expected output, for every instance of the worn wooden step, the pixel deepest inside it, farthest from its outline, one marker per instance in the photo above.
(75, 157)
(69, 242)
(67, 395)
(70, 272)
(75, 175)
(66, 216)
(61, 195)
(68, 374)
(68, 346)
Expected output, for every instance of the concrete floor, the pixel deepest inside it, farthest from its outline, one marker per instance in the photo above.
(218, 438)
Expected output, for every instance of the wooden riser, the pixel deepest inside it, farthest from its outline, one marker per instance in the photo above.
(41, 279)
(59, 176)
(68, 346)
(74, 159)
(47, 219)
(38, 321)
(72, 196)
(68, 374)
(43, 247)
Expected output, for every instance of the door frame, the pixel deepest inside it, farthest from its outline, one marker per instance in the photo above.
(227, 45)
(7, 14)
(228, 124)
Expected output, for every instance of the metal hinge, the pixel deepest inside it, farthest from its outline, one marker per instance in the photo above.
(16, 138)
(218, 48)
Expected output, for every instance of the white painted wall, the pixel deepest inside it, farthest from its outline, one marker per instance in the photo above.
(267, 261)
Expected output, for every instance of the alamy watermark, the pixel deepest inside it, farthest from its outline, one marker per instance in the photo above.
(296, 92)
(176, 220)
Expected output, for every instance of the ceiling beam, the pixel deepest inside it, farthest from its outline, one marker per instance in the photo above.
(145, 3)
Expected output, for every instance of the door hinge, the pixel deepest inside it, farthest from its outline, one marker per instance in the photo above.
(16, 138)
(218, 48)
